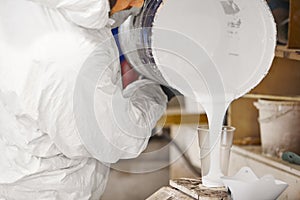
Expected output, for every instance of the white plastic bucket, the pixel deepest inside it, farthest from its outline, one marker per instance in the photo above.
(279, 126)
(201, 47)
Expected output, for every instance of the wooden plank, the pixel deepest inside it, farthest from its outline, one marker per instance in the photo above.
(272, 97)
(195, 189)
(284, 52)
(282, 79)
(168, 193)
(171, 119)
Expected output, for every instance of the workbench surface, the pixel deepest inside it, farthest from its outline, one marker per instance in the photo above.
(189, 189)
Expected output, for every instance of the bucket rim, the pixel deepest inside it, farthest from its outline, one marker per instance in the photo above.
(278, 102)
(205, 127)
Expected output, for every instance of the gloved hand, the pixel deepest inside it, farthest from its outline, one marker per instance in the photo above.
(119, 121)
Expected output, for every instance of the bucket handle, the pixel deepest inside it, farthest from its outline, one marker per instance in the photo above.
(273, 117)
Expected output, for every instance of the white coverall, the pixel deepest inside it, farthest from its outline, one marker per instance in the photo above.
(63, 114)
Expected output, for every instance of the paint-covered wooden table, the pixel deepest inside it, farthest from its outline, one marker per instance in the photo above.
(189, 189)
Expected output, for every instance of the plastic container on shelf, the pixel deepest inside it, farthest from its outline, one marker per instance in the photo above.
(279, 126)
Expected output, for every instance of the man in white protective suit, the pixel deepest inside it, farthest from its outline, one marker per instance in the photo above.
(64, 115)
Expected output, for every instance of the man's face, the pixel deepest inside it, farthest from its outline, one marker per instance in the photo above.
(126, 4)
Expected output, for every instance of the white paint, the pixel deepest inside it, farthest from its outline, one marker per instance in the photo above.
(214, 51)
(215, 119)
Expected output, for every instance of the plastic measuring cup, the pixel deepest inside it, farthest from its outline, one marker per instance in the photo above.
(206, 146)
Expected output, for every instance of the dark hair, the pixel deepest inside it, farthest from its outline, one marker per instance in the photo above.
(112, 3)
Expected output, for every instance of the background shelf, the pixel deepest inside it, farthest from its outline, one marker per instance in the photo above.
(284, 52)
(272, 97)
